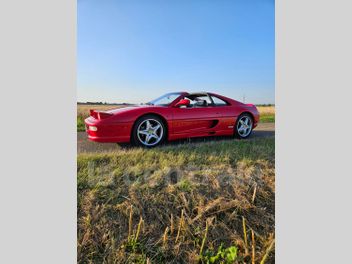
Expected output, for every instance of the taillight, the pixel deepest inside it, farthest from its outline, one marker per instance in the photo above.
(92, 128)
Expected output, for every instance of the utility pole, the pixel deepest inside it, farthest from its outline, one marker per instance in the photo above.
(244, 98)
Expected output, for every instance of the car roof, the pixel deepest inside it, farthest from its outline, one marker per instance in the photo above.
(198, 93)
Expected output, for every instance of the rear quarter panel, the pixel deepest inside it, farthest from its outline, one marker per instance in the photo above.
(253, 110)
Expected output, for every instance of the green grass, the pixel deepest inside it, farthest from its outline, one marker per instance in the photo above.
(223, 255)
(138, 205)
(267, 118)
(80, 124)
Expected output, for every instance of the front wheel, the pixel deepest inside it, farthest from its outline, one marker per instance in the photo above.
(244, 126)
(149, 131)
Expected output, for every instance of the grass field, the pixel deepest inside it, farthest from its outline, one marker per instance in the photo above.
(191, 203)
(267, 113)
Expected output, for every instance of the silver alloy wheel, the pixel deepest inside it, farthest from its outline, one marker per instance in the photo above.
(150, 132)
(244, 126)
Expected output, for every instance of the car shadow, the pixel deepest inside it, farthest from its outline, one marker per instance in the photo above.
(254, 135)
(199, 140)
(84, 145)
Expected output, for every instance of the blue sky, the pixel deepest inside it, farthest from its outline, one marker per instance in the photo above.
(134, 51)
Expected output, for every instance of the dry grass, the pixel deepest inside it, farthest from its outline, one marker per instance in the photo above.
(177, 204)
(266, 110)
(267, 114)
(83, 110)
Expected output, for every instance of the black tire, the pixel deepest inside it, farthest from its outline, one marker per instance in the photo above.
(138, 139)
(239, 133)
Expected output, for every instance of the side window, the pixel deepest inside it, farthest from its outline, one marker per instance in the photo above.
(205, 98)
(218, 101)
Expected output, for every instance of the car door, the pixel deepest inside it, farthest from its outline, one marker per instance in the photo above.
(194, 120)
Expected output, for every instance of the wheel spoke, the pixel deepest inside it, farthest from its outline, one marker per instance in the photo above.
(154, 136)
(143, 132)
(147, 139)
(156, 128)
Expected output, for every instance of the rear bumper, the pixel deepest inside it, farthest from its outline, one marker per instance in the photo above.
(108, 133)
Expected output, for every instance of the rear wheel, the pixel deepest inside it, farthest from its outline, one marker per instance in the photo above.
(244, 126)
(149, 131)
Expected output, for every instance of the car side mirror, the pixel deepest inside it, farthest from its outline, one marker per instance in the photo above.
(183, 102)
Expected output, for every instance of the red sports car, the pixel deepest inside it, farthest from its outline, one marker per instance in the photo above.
(173, 116)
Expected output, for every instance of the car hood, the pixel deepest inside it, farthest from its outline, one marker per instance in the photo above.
(129, 108)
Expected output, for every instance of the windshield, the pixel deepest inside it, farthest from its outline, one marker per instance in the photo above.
(165, 100)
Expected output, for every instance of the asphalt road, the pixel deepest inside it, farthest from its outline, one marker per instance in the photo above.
(84, 145)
